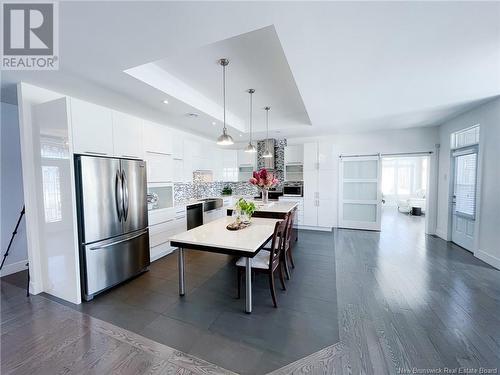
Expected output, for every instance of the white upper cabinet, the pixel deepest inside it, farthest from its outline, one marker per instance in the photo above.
(178, 170)
(325, 156)
(92, 128)
(247, 159)
(230, 165)
(310, 156)
(127, 136)
(157, 138)
(177, 146)
(294, 154)
(160, 167)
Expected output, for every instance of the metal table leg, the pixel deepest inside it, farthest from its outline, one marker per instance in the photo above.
(182, 283)
(248, 285)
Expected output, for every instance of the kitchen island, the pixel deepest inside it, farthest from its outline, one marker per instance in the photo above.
(271, 210)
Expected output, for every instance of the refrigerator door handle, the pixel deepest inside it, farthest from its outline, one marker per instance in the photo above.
(119, 241)
(118, 195)
(125, 195)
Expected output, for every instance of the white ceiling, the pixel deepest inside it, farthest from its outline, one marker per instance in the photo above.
(354, 66)
(256, 60)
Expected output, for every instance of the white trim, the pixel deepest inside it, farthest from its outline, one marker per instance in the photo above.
(9, 269)
(441, 234)
(320, 229)
(487, 258)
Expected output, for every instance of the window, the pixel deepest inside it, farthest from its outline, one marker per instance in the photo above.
(465, 183)
(404, 177)
(51, 194)
(465, 137)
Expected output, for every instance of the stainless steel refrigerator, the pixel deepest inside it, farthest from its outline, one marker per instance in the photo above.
(112, 221)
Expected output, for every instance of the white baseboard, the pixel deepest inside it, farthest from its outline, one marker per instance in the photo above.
(14, 267)
(488, 258)
(321, 229)
(441, 234)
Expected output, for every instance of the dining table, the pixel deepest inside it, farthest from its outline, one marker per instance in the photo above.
(214, 237)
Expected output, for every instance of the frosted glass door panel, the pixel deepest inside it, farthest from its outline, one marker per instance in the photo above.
(360, 212)
(360, 193)
(360, 190)
(362, 169)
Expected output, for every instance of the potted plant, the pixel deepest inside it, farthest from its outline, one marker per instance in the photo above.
(227, 190)
(244, 210)
(264, 180)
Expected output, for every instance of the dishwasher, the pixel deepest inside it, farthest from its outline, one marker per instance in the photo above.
(194, 214)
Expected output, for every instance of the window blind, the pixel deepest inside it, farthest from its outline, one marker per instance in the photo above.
(465, 184)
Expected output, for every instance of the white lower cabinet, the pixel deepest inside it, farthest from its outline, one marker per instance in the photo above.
(173, 222)
(299, 218)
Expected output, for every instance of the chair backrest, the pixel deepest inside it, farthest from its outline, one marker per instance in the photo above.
(289, 229)
(278, 242)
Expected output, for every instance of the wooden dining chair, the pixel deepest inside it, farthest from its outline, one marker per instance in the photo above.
(268, 261)
(290, 238)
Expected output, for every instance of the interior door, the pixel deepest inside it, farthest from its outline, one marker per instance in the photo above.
(100, 197)
(464, 197)
(360, 192)
(135, 215)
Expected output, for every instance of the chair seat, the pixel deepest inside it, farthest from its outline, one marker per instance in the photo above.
(261, 260)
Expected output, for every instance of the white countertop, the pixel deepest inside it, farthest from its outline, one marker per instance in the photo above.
(275, 206)
(215, 234)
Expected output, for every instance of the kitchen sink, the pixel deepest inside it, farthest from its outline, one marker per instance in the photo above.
(211, 203)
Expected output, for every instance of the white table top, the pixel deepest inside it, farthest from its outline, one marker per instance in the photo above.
(215, 234)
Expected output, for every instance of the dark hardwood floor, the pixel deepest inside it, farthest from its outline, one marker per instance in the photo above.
(370, 303)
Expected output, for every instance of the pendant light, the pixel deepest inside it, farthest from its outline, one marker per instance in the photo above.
(250, 147)
(267, 153)
(224, 139)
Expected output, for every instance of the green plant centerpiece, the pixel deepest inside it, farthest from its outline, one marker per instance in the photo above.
(244, 210)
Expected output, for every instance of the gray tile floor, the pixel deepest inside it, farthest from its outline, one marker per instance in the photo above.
(210, 323)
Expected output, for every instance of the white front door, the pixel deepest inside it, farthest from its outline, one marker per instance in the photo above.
(360, 192)
(464, 197)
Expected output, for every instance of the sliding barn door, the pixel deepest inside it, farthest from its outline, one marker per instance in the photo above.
(360, 194)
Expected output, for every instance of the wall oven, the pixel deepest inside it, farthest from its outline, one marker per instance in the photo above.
(293, 191)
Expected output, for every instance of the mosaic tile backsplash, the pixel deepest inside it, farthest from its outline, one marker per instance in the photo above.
(200, 189)
(187, 191)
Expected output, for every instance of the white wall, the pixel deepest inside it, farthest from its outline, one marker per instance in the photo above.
(488, 117)
(421, 139)
(11, 192)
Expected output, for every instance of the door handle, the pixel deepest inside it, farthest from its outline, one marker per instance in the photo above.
(118, 193)
(118, 242)
(125, 195)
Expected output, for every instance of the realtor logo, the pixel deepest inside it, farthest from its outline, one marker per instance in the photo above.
(30, 36)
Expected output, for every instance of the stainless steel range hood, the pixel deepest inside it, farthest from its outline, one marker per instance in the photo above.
(268, 144)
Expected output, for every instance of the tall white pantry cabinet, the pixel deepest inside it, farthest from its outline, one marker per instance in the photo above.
(319, 187)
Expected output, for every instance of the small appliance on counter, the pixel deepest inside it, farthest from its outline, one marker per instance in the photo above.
(112, 221)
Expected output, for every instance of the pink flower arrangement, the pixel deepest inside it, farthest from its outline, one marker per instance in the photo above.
(263, 179)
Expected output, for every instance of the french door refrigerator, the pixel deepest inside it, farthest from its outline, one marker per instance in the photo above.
(112, 221)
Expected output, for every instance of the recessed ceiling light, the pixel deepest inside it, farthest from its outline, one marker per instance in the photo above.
(165, 101)
(241, 135)
(214, 123)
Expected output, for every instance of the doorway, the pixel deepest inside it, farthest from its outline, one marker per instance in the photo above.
(405, 186)
(464, 186)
